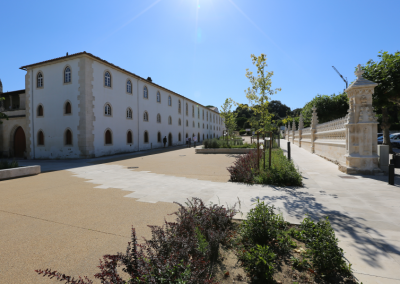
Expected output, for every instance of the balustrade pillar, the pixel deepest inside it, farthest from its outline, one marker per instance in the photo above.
(361, 128)
(314, 122)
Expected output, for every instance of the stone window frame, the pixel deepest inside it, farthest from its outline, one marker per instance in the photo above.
(39, 72)
(70, 75)
(37, 110)
(179, 106)
(159, 137)
(112, 138)
(104, 110)
(65, 108)
(147, 92)
(146, 115)
(169, 120)
(158, 97)
(65, 137)
(127, 143)
(104, 79)
(127, 113)
(38, 140)
(169, 101)
(146, 134)
(128, 81)
(179, 122)
(159, 118)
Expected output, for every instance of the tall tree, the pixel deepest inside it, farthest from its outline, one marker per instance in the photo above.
(229, 115)
(328, 108)
(260, 91)
(279, 109)
(386, 73)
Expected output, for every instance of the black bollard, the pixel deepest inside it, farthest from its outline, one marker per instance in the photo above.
(288, 151)
(391, 174)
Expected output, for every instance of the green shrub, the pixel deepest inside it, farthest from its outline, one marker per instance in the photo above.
(258, 261)
(229, 143)
(8, 165)
(327, 256)
(242, 131)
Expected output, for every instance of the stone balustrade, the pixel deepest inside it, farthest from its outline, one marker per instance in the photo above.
(349, 141)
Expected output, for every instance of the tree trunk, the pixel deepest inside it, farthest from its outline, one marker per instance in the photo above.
(385, 125)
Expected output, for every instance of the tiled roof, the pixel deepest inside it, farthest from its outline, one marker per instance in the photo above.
(13, 93)
(108, 63)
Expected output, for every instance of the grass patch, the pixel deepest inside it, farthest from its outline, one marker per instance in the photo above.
(4, 164)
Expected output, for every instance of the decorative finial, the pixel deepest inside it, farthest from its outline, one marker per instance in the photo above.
(359, 71)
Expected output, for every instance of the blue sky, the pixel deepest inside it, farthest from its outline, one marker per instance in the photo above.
(201, 48)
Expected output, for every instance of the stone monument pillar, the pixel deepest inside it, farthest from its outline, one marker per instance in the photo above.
(361, 128)
(294, 130)
(301, 126)
(314, 122)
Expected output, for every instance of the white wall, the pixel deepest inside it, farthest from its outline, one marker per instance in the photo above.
(54, 123)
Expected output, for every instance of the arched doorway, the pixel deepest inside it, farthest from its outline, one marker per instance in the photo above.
(170, 139)
(19, 142)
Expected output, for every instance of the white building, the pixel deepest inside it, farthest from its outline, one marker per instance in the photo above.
(81, 106)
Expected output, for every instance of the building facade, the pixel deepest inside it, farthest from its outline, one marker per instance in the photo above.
(81, 106)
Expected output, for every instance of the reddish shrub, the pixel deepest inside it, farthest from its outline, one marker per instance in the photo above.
(245, 167)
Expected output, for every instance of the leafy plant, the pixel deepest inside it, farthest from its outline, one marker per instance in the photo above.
(245, 167)
(8, 165)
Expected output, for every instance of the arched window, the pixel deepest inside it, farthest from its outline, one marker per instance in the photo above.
(192, 111)
(179, 122)
(179, 137)
(146, 137)
(187, 135)
(68, 137)
(207, 126)
(159, 137)
(158, 97)
(108, 137)
(68, 109)
(40, 80)
(107, 110)
(187, 123)
(158, 118)
(129, 87)
(146, 116)
(67, 75)
(169, 101)
(198, 124)
(169, 120)
(129, 113)
(107, 79)
(40, 138)
(179, 106)
(129, 137)
(193, 124)
(145, 93)
(187, 109)
(40, 110)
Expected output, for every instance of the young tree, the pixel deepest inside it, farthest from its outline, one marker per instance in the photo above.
(2, 115)
(386, 73)
(229, 115)
(260, 90)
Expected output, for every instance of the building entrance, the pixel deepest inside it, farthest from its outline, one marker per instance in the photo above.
(19, 143)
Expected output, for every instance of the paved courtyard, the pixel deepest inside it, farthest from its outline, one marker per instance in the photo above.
(68, 217)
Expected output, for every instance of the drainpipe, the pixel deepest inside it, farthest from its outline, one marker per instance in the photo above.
(33, 122)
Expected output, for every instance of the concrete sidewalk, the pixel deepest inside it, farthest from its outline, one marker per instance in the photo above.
(363, 210)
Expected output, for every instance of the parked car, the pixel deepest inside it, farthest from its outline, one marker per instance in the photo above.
(394, 139)
(380, 135)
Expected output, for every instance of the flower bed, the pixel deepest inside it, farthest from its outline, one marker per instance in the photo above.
(205, 245)
(282, 171)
